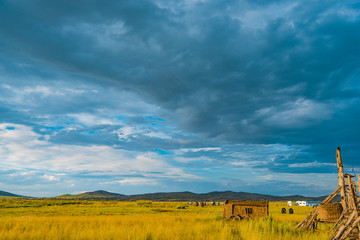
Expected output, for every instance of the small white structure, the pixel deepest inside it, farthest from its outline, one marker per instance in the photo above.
(289, 203)
(301, 203)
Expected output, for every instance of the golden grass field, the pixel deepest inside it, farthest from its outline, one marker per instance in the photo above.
(66, 219)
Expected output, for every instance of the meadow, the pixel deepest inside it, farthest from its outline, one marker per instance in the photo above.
(67, 219)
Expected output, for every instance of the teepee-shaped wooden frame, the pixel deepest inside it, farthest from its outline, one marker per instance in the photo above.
(348, 225)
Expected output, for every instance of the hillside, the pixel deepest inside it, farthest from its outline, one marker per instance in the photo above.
(92, 195)
(4, 194)
(187, 196)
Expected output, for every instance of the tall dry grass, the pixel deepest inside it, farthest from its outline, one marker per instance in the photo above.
(150, 227)
(142, 220)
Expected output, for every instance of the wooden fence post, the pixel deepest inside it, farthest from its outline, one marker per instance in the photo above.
(341, 182)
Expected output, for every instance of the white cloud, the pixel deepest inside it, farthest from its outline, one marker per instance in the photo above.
(268, 177)
(93, 119)
(20, 148)
(42, 90)
(15, 132)
(206, 149)
(51, 178)
(179, 174)
(126, 131)
(157, 135)
(194, 159)
(260, 17)
(311, 164)
(136, 181)
(105, 35)
(29, 94)
(295, 114)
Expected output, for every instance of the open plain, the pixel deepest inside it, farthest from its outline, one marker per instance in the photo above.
(68, 219)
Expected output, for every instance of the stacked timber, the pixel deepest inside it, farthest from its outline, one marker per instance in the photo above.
(346, 214)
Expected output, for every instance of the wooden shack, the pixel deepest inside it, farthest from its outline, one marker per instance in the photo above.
(329, 212)
(234, 209)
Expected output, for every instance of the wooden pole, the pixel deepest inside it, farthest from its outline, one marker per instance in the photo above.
(358, 200)
(309, 223)
(331, 196)
(352, 201)
(342, 228)
(341, 182)
(358, 184)
(339, 220)
(350, 228)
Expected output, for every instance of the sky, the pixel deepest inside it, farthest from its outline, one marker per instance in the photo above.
(178, 95)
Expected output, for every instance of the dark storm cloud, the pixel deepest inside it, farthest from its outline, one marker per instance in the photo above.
(234, 72)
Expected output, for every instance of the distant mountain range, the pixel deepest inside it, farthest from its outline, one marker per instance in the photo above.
(188, 196)
(176, 196)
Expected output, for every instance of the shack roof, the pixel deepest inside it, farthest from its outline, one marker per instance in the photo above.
(248, 203)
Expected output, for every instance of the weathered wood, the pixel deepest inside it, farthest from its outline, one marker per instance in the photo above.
(315, 224)
(331, 196)
(309, 223)
(350, 228)
(352, 195)
(348, 224)
(358, 203)
(352, 221)
(358, 189)
(306, 220)
(310, 215)
(339, 233)
(329, 212)
(343, 227)
(303, 221)
(340, 219)
(341, 182)
(246, 209)
(354, 204)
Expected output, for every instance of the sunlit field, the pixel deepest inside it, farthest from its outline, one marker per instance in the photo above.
(62, 219)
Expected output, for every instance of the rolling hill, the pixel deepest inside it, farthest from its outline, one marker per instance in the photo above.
(187, 196)
(4, 194)
(100, 194)
(176, 196)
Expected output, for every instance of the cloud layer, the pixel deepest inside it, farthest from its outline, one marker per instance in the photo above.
(137, 96)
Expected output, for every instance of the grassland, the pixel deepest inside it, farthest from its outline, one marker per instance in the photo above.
(65, 219)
